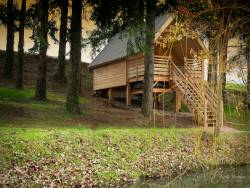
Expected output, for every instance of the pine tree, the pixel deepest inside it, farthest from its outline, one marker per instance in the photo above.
(72, 104)
(60, 74)
(40, 93)
(20, 61)
(147, 101)
(9, 59)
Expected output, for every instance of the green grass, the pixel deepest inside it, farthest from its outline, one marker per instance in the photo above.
(237, 118)
(41, 143)
(111, 156)
(19, 109)
(11, 94)
(236, 87)
(26, 95)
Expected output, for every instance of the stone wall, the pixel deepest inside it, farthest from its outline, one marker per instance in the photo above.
(30, 74)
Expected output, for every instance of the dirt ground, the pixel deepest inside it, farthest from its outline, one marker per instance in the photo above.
(101, 112)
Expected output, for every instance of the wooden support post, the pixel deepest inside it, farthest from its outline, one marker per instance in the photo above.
(110, 94)
(202, 69)
(128, 94)
(205, 114)
(157, 99)
(177, 101)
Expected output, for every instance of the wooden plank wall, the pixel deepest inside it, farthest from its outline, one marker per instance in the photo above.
(135, 66)
(108, 76)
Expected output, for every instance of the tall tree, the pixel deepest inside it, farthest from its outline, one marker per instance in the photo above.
(245, 36)
(60, 74)
(244, 33)
(72, 104)
(40, 93)
(147, 100)
(247, 99)
(20, 61)
(8, 67)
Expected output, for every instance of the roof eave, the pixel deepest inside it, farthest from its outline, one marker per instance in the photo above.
(106, 62)
(169, 20)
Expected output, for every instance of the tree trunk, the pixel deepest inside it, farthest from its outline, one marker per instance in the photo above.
(147, 100)
(247, 98)
(42, 66)
(72, 104)
(8, 67)
(60, 75)
(20, 61)
(223, 41)
(212, 67)
(219, 91)
(224, 74)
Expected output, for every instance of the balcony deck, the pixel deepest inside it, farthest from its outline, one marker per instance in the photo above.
(162, 69)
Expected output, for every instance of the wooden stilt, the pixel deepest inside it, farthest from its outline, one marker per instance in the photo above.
(177, 101)
(128, 94)
(110, 94)
(157, 99)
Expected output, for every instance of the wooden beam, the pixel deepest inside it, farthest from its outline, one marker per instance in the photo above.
(155, 90)
(128, 94)
(177, 101)
(168, 21)
(162, 90)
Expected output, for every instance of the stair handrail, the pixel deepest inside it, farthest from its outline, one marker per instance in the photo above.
(178, 73)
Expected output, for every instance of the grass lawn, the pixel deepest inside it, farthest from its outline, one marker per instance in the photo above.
(237, 118)
(42, 145)
(236, 87)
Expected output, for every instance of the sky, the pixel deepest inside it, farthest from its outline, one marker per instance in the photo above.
(53, 48)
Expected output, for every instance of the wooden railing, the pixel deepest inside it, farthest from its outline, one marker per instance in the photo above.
(193, 68)
(162, 65)
(197, 95)
(135, 70)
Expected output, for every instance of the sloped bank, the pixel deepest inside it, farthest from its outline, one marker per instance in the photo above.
(112, 157)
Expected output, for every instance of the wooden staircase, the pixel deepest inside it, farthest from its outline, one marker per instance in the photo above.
(197, 95)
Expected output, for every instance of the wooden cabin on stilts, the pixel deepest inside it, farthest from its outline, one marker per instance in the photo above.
(178, 69)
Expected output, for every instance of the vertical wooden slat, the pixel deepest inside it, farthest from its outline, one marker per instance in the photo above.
(205, 114)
